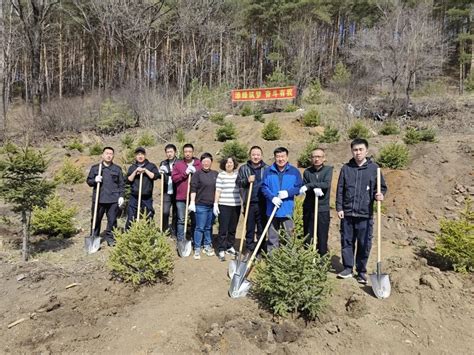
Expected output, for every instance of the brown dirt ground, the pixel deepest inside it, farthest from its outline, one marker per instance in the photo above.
(430, 309)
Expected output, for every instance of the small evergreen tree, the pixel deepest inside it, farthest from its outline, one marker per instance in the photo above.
(304, 160)
(293, 279)
(358, 130)
(142, 254)
(330, 135)
(235, 149)
(271, 131)
(23, 186)
(342, 75)
(312, 118)
(55, 220)
(226, 132)
(389, 128)
(146, 140)
(315, 93)
(393, 156)
(95, 149)
(70, 174)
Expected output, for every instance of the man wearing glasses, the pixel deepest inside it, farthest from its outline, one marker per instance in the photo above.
(317, 183)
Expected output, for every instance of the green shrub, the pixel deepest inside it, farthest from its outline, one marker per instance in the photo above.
(393, 156)
(217, 118)
(389, 128)
(290, 108)
(142, 254)
(127, 140)
(54, 220)
(69, 174)
(75, 144)
(226, 132)
(455, 242)
(128, 156)
(258, 116)
(304, 160)
(293, 280)
(115, 117)
(235, 149)
(469, 84)
(358, 130)
(271, 131)
(277, 78)
(330, 135)
(146, 140)
(431, 88)
(95, 149)
(180, 136)
(298, 216)
(312, 118)
(246, 110)
(342, 75)
(315, 92)
(414, 136)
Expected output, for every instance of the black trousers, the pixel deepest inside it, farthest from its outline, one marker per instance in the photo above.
(169, 204)
(146, 205)
(228, 220)
(112, 211)
(322, 232)
(256, 221)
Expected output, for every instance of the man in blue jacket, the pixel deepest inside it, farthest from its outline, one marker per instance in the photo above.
(281, 183)
(355, 196)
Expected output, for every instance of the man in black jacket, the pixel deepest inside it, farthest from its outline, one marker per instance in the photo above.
(150, 174)
(169, 195)
(252, 171)
(317, 182)
(355, 196)
(110, 193)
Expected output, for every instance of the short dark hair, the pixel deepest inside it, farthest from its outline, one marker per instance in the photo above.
(255, 147)
(280, 150)
(223, 162)
(358, 141)
(110, 148)
(170, 146)
(206, 155)
(188, 145)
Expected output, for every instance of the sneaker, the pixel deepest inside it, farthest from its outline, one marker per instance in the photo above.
(197, 254)
(231, 251)
(345, 274)
(362, 278)
(222, 256)
(208, 251)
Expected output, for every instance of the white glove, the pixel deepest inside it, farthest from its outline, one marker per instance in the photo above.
(318, 192)
(192, 207)
(120, 201)
(163, 169)
(190, 170)
(283, 194)
(215, 210)
(277, 201)
(303, 189)
(98, 178)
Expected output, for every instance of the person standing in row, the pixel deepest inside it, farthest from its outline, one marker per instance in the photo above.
(355, 196)
(169, 193)
(110, 194)
(203, 189)
(252, 172)
(141, 166)
(182, 171)
(227, 206)
(281, 183)
(317, 184)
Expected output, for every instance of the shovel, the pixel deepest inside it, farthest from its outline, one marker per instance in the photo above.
(184, 246)
(92, 242)
(161, 200)
(139, 196)
(234, 264)
(380, 282)
(315, 224)
(239, 286)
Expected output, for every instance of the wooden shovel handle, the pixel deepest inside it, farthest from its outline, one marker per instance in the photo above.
(262, 237)
(187, 206)
(246, 214)
(161, 200)
(139, 196)
(315, 224)
(96, 203)
(379, 218)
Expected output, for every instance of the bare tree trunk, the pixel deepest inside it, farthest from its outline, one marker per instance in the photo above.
(83, 64)
(60, 58)
(260, 62)
(220, 61)
(2, 77)
(26, 73)
(46, 72)
(26, 237)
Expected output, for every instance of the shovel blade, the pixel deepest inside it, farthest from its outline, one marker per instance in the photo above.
(242, 291)
(238, 280)
(233, 266)
(184, 248)
(381, 285)
(92, 244)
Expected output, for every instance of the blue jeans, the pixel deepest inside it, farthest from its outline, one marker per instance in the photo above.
(204, 217)
(181, 209)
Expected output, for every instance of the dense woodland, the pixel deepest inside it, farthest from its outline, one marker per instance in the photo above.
(56, 49)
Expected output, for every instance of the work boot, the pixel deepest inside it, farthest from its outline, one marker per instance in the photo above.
(222, 255)
(345, 274)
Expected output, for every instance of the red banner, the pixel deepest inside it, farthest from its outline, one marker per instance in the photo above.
(287, 92)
